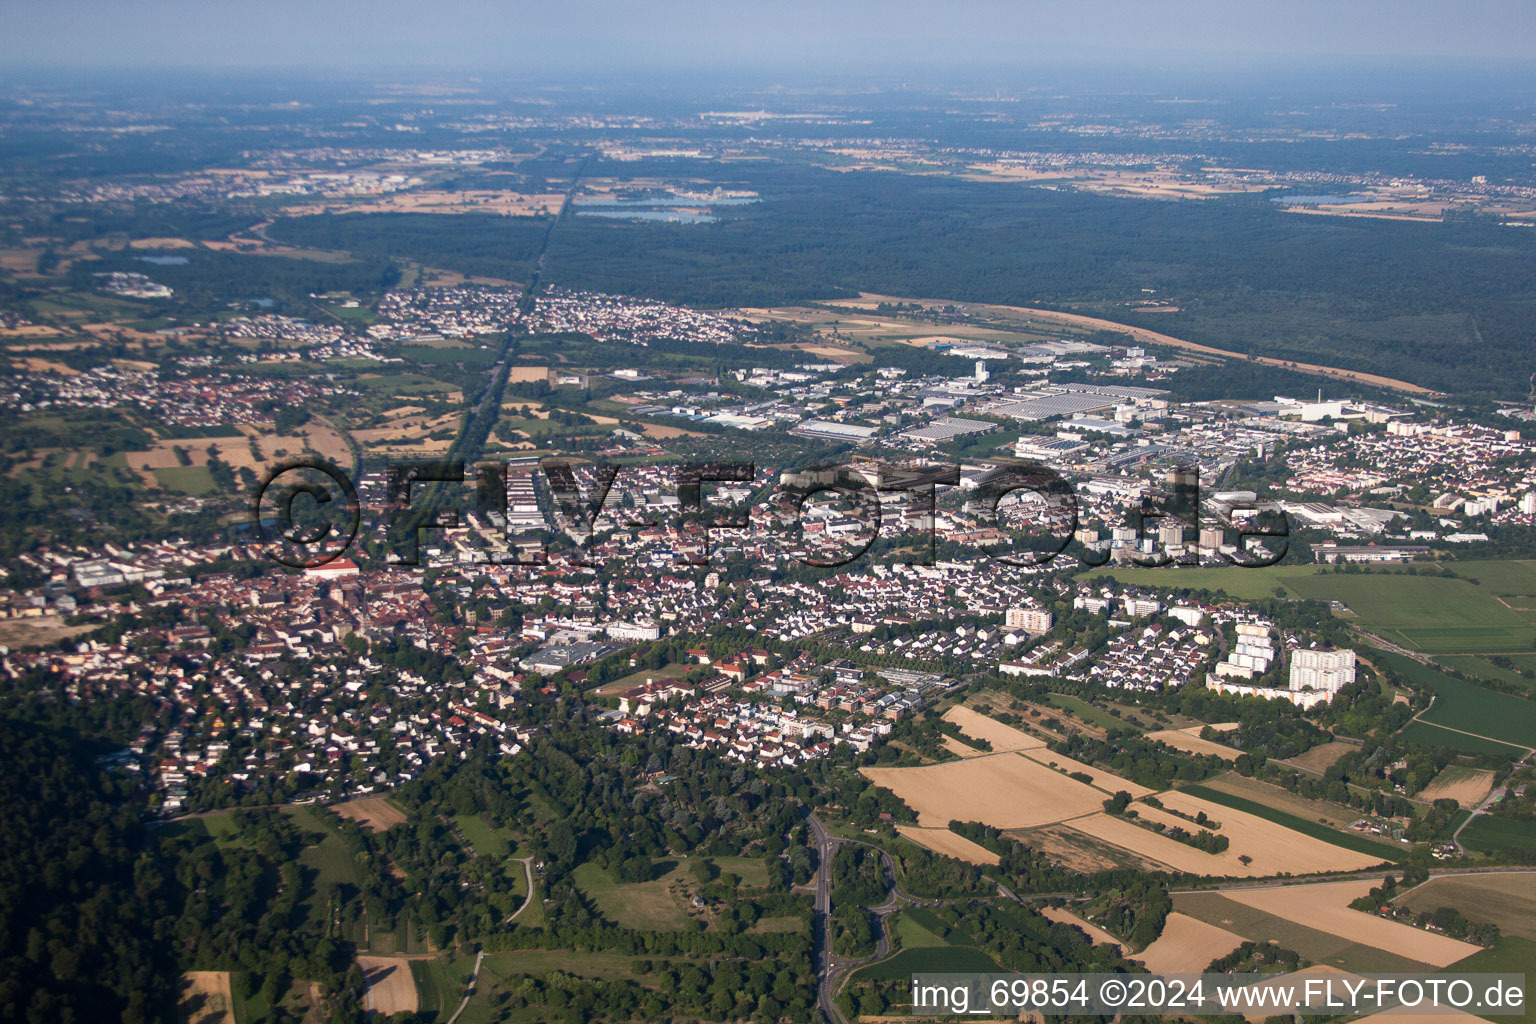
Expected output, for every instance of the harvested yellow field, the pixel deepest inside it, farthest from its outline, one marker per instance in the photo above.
(1190, 741)
(836, 355)
(22, 262)
(661, 433)
(205, 998)
(954, 746)
(161, 243)
(1267, 1003)
(408, 431)
(37, 365)
(1063, 916)
(1467, 786)
(1325, 907)
(1103, 779)
(390, 988)
(979, 726)
(236, 451)
(1186, 946)
(374, 812)
(943, 841)
(1002, 790)
(1322, 757)
(1272, 849)
(526, 374)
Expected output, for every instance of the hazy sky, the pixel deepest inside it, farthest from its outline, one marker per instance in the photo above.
(580, 35)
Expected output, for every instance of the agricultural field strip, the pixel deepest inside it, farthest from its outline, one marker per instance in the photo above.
(1325, 906)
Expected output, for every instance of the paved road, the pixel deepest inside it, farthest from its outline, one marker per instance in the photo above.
(826, 846)
(1493, 797)
(469, 989)
(527, 863)
(834, 969)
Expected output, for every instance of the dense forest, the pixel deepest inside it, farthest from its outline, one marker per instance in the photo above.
(77, 886)
(1447, 305)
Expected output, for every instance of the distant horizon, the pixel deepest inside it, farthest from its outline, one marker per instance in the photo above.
(589, 37)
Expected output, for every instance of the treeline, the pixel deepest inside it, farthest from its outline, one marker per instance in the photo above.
(211, 280)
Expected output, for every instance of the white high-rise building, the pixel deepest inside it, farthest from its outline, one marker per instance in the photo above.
(1031, 620)
(1327, 671)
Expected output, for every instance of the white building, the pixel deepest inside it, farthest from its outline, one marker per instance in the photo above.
(1031, 620)
(1325, 671)
(634, 632)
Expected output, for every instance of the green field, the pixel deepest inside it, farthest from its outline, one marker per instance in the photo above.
(1510, 955)
(1317, 830)
(1437, 615)
(1467, 707)
(1482, 668)
(487, 841)
(1434, 736)
(1243, 584)
(437, 991)
(930, 960)
(751, 870)
(913, 935)
(431, 355)
(1506, 578)
(1087, 712)
(1434, 614)
(331, 862)
(186, 479)
(1499, 835)
(638, 678)
(396, 384)
(645, 906)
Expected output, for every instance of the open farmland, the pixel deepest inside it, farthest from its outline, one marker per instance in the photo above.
(1325, 907)
(373, 812)
(1507, 900)
(1190, 741)
(954, 746)
(1187, 945)
(1316, 818)
(1002, 790)
(1437, 615)
(1507, 578)
(1002, 737)
(1273, 849)
(1486, 832)
(942, 840)
(1469, 708)
(390, 988)
(1323, 756)
(1093, 931)
(1102, 778)
(1467, 786)
(1260, 926)
(1433, 614)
